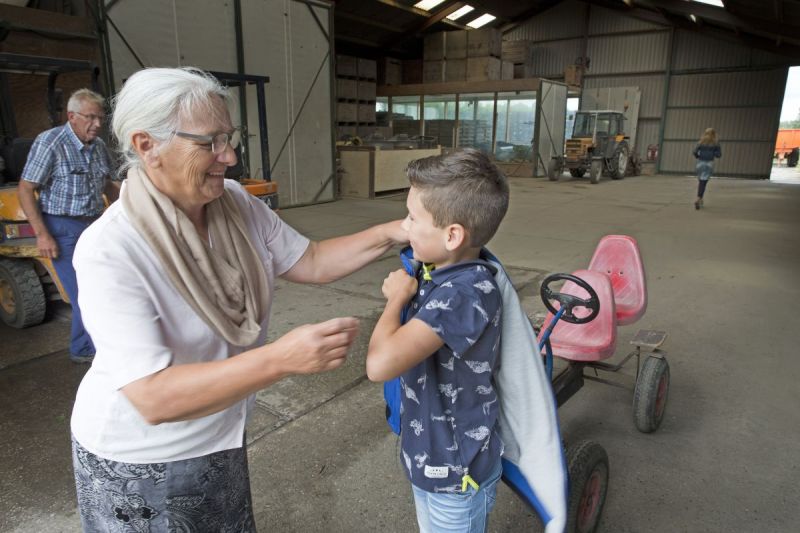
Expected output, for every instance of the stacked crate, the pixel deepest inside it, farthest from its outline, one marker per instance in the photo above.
(356, 79)
(520, 55)
(465, 55)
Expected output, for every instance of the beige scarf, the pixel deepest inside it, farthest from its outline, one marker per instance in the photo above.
(226, 286)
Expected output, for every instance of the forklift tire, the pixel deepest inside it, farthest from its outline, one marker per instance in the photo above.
(588, 486)
(650, 394)
(553, 170)
(577, 172)
(618, 164)
(22, 298)
(595, 171)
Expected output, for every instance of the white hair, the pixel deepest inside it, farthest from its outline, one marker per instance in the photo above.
(77, 98)
(156, 100)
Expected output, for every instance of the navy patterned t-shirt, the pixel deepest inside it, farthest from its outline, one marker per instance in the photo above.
(449, 405)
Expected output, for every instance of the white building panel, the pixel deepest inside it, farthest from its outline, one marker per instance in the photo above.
(206, 34)
(651, 85)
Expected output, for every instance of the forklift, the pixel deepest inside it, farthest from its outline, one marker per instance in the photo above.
(28, 281)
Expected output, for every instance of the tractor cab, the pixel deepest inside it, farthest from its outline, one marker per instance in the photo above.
(592, 123)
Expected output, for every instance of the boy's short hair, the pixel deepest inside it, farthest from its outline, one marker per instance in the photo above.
(462, 187)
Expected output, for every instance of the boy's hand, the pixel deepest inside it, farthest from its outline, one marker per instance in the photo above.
(399, 286)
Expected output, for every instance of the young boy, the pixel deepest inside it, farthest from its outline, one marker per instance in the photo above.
(448, 350)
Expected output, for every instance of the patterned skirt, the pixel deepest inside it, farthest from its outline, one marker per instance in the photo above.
(204, 494)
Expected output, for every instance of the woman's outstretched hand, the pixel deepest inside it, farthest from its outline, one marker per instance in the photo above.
(314, 348)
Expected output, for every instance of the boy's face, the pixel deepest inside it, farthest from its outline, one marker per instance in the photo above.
(428, 241)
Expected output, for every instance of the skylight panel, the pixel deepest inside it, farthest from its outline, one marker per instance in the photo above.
(484, 19)
(427, 5)
(458, 13)
(717, 3)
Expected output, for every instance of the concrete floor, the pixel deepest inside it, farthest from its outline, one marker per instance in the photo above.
(722, 283)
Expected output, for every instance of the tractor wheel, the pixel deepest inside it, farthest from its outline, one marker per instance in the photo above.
(618, 164)
(22, 300)
(650, 395)
(596, 170)
(588, 485)
(553, 170)
(577, 172)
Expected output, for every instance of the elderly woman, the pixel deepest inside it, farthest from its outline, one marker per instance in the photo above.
(175, 283)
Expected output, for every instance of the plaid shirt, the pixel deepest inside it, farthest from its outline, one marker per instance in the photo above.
(70, 175)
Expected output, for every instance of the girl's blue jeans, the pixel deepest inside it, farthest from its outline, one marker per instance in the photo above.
(463, 512)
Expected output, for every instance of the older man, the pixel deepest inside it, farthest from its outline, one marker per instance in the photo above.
(71, 168)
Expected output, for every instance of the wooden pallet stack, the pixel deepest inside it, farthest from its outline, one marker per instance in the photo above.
(464, 55)
(520, 55)
(356, 79)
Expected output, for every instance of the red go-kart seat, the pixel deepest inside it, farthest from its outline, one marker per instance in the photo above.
(594, 340)
(618, 257)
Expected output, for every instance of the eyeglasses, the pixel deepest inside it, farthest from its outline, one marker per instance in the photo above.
(218, 142)
(91, 118)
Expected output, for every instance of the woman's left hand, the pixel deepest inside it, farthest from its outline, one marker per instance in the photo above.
(395, 232)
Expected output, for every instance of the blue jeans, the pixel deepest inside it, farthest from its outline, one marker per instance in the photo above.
(65, 231)
(462, 512)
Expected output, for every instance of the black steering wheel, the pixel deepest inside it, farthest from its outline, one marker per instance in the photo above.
(569, 302)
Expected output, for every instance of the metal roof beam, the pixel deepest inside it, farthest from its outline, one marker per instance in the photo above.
(417, 11)
(367, 21)
(721, 16)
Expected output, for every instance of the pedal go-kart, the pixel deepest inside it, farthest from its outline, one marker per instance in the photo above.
(587, 310)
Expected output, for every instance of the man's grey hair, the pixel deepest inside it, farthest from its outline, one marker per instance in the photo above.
(77, 98)
(462, 187)
(156, 100)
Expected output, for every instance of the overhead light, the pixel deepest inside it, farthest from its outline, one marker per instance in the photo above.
(484, 19)
(717, 3)
(427, 4)
(693, 18)
(458, 13)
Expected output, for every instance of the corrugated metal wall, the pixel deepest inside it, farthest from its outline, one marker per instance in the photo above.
(282, 39)
(711, 83)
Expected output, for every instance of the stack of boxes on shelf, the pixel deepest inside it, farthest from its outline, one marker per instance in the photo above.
(355, 94)
(464, 55)
(520, 55)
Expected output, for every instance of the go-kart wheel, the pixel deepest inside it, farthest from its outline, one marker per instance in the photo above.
(568, 301)
(588, 485)
(650, 396)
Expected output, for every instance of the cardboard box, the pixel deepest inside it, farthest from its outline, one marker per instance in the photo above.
(367, 68)
(506, 70)
(455, 44)
(366, 112)
(483, 68)
(573, 75)
(412, 71)
(366, 90)
(346, 112)
(455, 70)
(484, 42)
(523, 71)
(433, 71)
(434, 46)
(517, 51)
(346, 66)
(390, 71)
(346, 89)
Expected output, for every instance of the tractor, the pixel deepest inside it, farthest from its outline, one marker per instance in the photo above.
(599, 146)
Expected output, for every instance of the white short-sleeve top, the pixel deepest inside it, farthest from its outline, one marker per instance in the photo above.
(140, 325)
